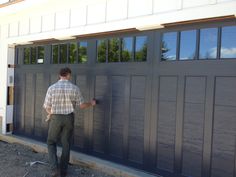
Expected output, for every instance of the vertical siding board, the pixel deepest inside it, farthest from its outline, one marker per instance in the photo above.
(166, 122)
(208, 126)
(193, 125)
(224, 128)
(137, 116)
(179, 124)
(127, 117)
(81, 122)
(39, 99)
(29, 104)
(101, 115)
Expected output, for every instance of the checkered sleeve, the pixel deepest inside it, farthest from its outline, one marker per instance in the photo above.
(79, 97)
(48, 99)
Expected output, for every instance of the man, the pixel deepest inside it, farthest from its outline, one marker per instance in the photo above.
(60, 102)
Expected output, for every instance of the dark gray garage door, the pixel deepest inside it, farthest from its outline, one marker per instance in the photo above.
(167, 99)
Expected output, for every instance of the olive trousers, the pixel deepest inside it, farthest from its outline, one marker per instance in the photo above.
(60, 128)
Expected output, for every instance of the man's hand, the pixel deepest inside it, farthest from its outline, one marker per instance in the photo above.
(88, 104)
(93, 102)
(48, 118)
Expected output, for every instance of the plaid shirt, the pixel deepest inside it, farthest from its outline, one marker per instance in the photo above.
(62, 97)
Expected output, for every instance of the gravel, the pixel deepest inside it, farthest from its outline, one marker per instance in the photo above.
(20, 161)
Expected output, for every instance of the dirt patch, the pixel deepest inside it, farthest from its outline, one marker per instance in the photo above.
(20, 161)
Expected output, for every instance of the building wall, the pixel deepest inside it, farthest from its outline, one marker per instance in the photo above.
(31, 20)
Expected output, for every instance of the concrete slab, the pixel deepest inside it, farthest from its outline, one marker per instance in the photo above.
(81, 159)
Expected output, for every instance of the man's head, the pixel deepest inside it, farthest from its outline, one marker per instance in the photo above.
(65, 73)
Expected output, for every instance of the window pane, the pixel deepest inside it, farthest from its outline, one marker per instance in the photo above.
(141, 48)
(228, 42)
(55, 53)
(40, 58)
(33, 55)
(127, 49)
(113, 53)
(168, 48)
(187, 45)
(63, 53)
(208, 43)
(101, 48)
(27, 55)
(83, 57)
(73, 52)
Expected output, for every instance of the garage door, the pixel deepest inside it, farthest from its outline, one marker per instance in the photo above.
(167, 98)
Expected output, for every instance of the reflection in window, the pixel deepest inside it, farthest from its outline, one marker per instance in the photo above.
(73, 52)
(126, 49)
(168, 48)
(113, 50)
(63, 53)
(141, 48)
(27, 55)
(187, 45)
(208, 43)
(101, 51)
(33, 55)
(83, 57)
(40, 58)
(55, 54)
(228, 42)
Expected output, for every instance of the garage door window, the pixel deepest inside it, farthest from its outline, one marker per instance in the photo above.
(34, 55)
(73, 52)
(208, 43)
(187, 45)
(169, 43)
(122, 49)
(228, 42)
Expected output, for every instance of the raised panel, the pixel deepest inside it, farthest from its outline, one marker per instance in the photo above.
(223, 148)
(168, 88)
(195, 89)
(39, 100)
(193, 139)
(138, 87)
(29, 103)
(225, 93)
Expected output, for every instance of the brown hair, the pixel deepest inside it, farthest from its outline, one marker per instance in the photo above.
(64, 72)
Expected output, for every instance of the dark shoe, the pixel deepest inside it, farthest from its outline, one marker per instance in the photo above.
(55, 173)
(63, 173)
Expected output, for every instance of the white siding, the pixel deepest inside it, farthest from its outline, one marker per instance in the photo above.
(48, 22)
(194, 3)
(78, 16)
(63, 19)
(35, 24)
(13, 29)
(24, 26)
(139, 7)
(96, 13)
(117, 10)
(167, 5)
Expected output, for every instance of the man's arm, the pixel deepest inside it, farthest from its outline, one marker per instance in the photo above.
(89, 104)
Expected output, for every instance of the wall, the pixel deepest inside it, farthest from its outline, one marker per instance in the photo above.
(31, 20)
